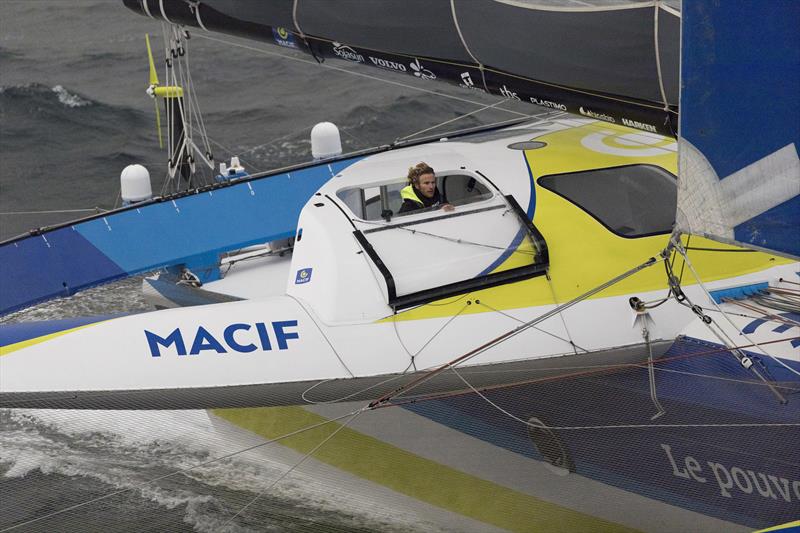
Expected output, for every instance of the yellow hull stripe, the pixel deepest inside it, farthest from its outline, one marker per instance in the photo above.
(583, 253)
(417, 477)
(782, 527)
(5, 350)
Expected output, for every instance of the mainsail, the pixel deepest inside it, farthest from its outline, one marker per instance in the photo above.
(740, 125)
(614, 61)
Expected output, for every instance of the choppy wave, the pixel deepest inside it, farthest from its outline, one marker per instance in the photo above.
(69, 99)
(124, 450)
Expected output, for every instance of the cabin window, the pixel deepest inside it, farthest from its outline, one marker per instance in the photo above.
(380, 201)
(425, 257)
(631, 201)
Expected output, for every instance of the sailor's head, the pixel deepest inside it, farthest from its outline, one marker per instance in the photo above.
(423, 178)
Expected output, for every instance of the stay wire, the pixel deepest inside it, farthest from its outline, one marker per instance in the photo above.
(352, 416)
(352, 72)
(520, 321)
(617, 426)
(512, 333)
(699, 281)
(584, 371)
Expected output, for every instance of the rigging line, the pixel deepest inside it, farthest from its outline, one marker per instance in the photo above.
(352, 394)
(657, 48)
(413, 357)
(296, 465)
(273, 141)
(786, 385)
(560, 315)
(509, 334)
(484, 108)
(343, 130)
(194, 101)
(322, 333)
(587, 371)
(226, 149)
(519, 320)
(532, 253)
(87, 210)
(354, 73)
(761, 313)
(705, 290)
(618, 426)
(183, 470)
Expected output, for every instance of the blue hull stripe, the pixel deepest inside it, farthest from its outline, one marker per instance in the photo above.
(191, 230)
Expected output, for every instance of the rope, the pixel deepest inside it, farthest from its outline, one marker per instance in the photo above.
(532, 253)
(519, 320)
(619, 426)
(353, 73)
(512, 333)
(56, 211)
(688, 263)
(584, 371)
(408, 352)
(484, 108)
(296, 465)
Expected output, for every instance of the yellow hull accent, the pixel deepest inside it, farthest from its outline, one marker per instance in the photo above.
(407, 473)
(782, 527)
(5, 350)
(583, 253)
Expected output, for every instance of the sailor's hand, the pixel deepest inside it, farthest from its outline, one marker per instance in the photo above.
(448, 207)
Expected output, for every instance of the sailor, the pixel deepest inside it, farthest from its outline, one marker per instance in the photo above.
(421, 191)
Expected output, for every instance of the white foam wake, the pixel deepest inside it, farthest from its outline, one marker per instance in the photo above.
(126, 449)
(69, 99)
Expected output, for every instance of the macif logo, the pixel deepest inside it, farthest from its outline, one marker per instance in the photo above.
(240, 337)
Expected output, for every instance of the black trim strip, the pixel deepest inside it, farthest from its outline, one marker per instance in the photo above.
(462, 287)
(370, 251)
(440, 217)
(539, 268)
(542, 255)
(342, 210)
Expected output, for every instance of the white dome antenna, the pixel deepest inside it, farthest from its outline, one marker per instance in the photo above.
(134, 184)
(325, 141)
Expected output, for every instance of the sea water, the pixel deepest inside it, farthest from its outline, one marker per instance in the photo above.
(73, 114)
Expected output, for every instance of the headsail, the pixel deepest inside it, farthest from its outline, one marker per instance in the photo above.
(614, 61)
(740, 125)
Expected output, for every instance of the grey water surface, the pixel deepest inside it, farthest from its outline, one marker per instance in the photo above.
(73, 114)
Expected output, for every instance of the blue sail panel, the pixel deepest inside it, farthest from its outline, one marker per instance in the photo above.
(190, 230)
(740, 124)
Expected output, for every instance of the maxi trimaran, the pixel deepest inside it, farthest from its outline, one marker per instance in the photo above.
(558, 321)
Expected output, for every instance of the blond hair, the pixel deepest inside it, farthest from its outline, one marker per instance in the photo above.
(418, 170)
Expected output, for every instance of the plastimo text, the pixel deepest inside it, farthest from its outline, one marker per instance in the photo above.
(240, 338)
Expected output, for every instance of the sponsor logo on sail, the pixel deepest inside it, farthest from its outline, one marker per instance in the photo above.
(389, 65)
(347, 53)
(303, 276)
(239, 337)
(599, 116)
(420, 71)
(508, 93)
(283, 37)
(548, 103)
(639, 125)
